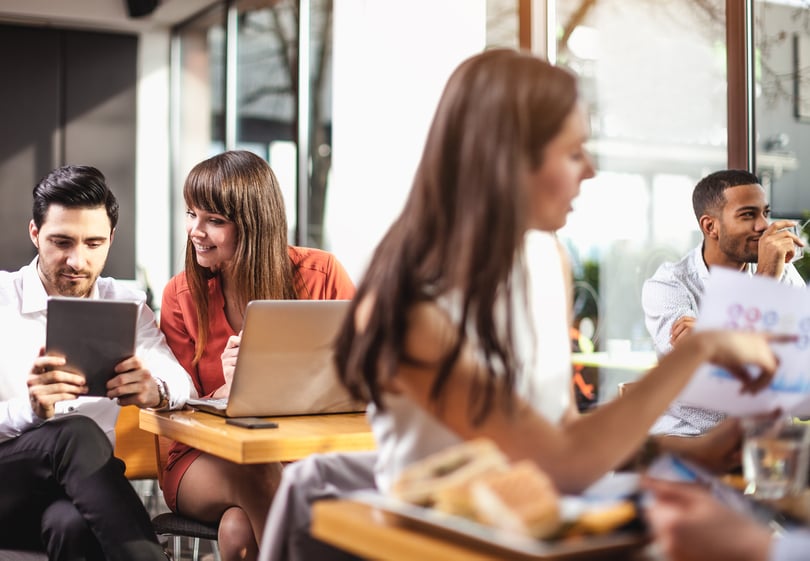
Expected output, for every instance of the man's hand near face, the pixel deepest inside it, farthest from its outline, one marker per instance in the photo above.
(47, 384)
(777, 246)
(133, 385)
(680, 329)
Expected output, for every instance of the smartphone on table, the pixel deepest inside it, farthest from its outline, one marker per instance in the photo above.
(252, 422)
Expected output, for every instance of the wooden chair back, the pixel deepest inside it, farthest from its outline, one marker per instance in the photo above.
(143, 453)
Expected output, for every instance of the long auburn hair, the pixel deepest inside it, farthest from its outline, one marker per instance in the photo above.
(462, 226)
(242, 187)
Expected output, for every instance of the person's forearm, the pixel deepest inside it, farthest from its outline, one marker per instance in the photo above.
(615, 431)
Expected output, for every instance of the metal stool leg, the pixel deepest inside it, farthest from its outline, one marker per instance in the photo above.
(177, 547)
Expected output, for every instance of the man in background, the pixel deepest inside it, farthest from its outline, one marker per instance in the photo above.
(733, 215)
(62, 490)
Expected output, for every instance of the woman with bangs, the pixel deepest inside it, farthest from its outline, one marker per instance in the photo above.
(237, 251)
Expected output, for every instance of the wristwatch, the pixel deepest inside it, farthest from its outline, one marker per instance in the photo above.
(163, 393)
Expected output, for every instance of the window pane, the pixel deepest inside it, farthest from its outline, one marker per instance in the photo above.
(197, 109)
(320, 141)
(266, 75)
(782, 106)
(502, 23)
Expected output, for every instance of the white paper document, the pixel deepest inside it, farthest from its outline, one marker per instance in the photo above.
(735, 300)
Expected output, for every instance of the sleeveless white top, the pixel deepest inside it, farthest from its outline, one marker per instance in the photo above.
(406, 433)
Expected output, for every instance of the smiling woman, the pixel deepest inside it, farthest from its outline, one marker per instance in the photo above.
(213, 237)
(236, 252)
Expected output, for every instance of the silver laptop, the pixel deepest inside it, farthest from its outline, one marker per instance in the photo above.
(285, 364)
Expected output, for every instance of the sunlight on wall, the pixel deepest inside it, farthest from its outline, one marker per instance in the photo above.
(391, 61)
(152, 232)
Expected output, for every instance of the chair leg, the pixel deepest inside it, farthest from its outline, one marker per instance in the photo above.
(195, 556)
(178, 547)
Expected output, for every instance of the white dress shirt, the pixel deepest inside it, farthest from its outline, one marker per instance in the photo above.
(23, 315)
(674, 291)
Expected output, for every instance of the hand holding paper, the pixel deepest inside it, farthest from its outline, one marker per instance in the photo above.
(745, 357)
(740, 302)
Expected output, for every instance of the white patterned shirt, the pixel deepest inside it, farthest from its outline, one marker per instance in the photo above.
(672, 292)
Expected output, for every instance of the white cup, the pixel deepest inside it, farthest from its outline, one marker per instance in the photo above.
(618, 347)
(775, 456)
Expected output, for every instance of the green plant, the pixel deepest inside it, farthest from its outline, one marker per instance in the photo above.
(803, 264)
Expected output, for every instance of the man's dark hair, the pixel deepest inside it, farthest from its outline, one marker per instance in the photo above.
(708, 194)
(74, 187)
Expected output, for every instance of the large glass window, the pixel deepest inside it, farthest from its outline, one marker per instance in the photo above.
(266, 85)
(198, 69)
(320, 119)
(502, 23)
(239, 64)
(653, 75)
(782, 103)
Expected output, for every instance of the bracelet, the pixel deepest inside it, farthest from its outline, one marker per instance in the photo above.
(163, 393)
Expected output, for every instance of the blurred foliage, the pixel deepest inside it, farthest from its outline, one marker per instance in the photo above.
(586, 292)
(803, 264)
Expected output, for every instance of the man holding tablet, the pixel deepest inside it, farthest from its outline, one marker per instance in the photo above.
(62, 489)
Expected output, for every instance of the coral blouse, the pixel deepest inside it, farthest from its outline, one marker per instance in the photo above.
(321, 277)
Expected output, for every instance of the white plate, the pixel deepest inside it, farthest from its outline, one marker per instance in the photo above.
(614, 485)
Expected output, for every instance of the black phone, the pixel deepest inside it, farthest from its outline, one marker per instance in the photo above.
(252, 423)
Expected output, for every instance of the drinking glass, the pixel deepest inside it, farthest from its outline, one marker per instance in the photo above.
(798, 230)
(775, 456)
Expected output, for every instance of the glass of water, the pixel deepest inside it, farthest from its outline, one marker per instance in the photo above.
(798, 230)
(775, 456)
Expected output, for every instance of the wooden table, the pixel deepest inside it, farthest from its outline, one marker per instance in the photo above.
(360, 529)
(372, 533)
(295, 437)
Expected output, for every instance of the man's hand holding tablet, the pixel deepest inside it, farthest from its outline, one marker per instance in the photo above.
(94, 338)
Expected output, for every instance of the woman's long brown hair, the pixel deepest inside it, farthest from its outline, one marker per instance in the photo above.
(242, 187)
(463, 223)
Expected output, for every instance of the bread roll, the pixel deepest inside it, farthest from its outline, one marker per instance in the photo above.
(441, 479)
(522, 500)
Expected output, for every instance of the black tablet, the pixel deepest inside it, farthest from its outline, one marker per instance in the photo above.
(94, 336)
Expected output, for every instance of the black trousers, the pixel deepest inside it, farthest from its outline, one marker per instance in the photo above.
(63, 491)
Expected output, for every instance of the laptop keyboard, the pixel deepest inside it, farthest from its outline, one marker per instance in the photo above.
(215, 402)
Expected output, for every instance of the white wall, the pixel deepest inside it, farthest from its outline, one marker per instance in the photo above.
(391, 61)
(152, 187)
